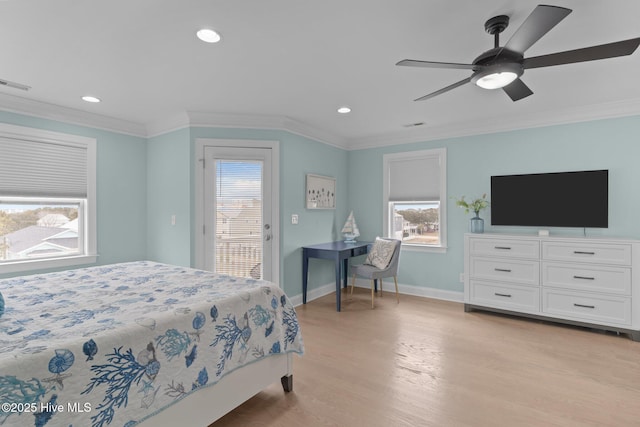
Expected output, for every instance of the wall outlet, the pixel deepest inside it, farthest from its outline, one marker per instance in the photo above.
(461, 277)
(294, 219)
(173, 219)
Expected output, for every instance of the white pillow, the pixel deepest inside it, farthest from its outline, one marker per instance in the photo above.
(381, 253)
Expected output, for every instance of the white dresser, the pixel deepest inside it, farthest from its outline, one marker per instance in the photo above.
(581, 281)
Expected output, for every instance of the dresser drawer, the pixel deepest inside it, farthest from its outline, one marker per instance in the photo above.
(504, 296)
(615, 280)
(589, 252)
(508, 270)
(588, 308)
(505, 248)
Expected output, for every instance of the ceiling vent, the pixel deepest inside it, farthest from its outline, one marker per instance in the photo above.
(14, 85)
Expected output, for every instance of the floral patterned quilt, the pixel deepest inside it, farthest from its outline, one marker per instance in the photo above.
(113, 345)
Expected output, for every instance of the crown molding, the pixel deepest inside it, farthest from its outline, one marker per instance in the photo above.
(168, 124)
(28, 107)
(502, 124)
(43, 110)
(244, 121)
(260, 121)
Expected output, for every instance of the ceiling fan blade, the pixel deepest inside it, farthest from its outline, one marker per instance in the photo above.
(609, 50)
(517, 90)
(538, 23)
(444, 89)
(431, 64)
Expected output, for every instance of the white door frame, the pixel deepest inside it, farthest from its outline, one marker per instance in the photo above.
(199, 219)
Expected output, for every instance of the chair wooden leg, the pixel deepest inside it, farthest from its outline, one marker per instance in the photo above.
(353, 283)
(381, 287)
(372, 293)
(397, 293)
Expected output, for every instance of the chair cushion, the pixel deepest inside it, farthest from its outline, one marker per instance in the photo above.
(381, 253)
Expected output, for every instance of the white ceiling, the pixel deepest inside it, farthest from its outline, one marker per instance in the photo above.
(295, 62)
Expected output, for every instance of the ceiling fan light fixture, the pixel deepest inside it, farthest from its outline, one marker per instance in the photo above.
(496, 80)
(498, 76)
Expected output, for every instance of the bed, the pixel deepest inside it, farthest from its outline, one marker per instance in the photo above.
(139, 343)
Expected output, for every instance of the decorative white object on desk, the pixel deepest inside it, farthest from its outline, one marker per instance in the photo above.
(350, 229)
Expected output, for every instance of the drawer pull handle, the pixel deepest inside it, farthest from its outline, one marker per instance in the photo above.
(504, 248)
(584, 253)
(584, 277)
(502, 295)
(504, 270)
(584, 306)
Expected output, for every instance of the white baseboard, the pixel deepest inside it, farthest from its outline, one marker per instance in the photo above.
(314, 293)
(418, 291)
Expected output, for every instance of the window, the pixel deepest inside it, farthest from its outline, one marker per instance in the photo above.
(47, 199)
(414, 194)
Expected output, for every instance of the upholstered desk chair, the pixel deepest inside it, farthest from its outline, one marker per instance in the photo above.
(373, 272)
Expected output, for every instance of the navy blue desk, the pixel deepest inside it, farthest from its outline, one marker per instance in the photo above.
(339, 252)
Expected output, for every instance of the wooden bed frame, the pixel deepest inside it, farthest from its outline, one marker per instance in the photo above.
(209, 404)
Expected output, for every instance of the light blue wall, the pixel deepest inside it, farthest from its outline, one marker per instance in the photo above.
(121, 187)
(142, 182)
(604, 144)
(169, 193)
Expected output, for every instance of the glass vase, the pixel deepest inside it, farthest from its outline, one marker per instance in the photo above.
(476, 225)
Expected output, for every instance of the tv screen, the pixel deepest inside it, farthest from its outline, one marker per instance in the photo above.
(561, 199)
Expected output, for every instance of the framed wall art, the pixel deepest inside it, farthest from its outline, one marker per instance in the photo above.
(320, 192)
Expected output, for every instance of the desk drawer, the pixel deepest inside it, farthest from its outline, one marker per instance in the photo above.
(585, 307)
(586, 277)
(508, 270)
(359, 251)
(505, 296)
(505, 248)
(589, 252)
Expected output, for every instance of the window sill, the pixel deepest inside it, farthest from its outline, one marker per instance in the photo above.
(422, 248)
(44, 264)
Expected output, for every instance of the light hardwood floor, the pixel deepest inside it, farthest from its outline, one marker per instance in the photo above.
(426, 362)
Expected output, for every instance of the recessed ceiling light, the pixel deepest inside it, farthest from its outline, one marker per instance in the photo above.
(208, 35)
(90, 99)
(344, 110)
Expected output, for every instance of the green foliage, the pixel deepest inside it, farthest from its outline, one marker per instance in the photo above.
(420, 217)
(7, 223)
(14, 221)
(475, 205)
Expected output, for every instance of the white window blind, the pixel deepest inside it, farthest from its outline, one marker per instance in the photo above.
(42, 171)
(239, 217)
(40, 168)
(414, 179)
(415, 192)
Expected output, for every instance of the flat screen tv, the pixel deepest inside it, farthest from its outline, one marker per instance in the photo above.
(560, 199)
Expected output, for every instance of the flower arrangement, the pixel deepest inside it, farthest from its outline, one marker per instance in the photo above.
(475, 205)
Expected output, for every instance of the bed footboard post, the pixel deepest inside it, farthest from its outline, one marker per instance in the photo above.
(287, 383)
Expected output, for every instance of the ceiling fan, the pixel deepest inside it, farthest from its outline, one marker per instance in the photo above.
(502, 66)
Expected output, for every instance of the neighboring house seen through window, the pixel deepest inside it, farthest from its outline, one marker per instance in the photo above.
(47, 199)
(414, 194)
